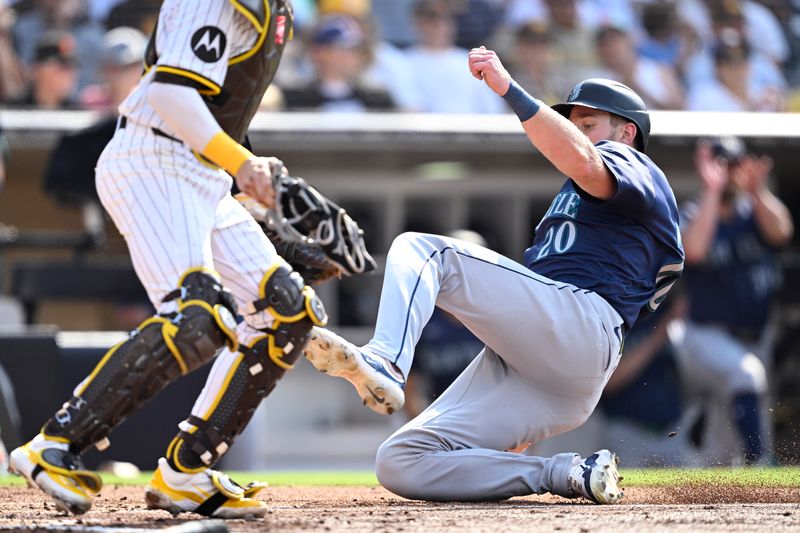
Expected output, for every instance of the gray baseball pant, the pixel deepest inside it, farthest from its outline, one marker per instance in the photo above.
(550, 349)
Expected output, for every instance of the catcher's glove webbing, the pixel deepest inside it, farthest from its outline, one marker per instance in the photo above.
(316, 236)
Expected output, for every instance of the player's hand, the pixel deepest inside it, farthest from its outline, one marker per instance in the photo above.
(254, 178)
(485, 65)
(752, 173)
(713, 171)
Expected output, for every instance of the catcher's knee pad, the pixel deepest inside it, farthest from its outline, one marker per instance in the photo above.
(295, 309)
(204, 318)
(157, 352)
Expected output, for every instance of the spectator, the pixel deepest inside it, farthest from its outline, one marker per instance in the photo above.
(574, 46)
(139, 14)
(728, 27)
(444, 350)
(339, 54)
(12, 78)
(732, 89)
(54, 73)
(730, 235)
(64, 15)
(788, 16)
(392, 69)
(656, 83)
(755, 21)
(393, 21)
(442, 83)
(354, 8)
(592, 13)
(388, 66)
(69, 175)
(99, 9)
(120, 69)
(666, 39)
(476, 21)
(534, 65)
(642, 401)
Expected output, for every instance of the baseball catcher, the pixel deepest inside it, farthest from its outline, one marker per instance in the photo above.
(313, 234)
(165, 180)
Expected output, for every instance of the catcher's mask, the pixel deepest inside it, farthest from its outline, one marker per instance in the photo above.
(302, 214)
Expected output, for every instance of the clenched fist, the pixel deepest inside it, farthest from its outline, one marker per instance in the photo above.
(485, 65)
(254, 178)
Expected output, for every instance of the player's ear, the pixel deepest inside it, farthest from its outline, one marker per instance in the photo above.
(629, 134)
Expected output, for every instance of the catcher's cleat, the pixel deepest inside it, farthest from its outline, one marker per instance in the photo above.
(378, 382)
(49, 466)
(209, 493)
(596, 477)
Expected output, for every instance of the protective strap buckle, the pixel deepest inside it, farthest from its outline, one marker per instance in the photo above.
(218, 444)
(227, 490)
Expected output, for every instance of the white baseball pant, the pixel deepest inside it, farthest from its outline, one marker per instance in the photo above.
(176, 213)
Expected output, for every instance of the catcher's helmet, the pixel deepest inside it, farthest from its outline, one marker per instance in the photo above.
(614, 97)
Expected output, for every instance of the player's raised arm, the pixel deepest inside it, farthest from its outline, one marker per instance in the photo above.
(559, 140)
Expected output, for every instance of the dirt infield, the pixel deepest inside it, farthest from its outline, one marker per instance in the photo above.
(355, 509)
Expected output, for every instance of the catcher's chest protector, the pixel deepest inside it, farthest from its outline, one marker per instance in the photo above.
(250, 73)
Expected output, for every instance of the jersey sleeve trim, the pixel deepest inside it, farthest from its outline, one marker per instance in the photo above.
(179, 76)
(262, 34)
(257, 12)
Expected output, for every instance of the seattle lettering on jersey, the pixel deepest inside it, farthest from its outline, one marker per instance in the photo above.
(565, 203)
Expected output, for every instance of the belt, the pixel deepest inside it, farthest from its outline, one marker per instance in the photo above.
(123, 121)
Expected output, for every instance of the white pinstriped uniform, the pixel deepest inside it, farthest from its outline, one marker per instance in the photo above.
(174, 211)
(177, 23)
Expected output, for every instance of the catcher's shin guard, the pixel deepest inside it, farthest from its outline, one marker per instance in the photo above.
(155, 354)
(294, 308)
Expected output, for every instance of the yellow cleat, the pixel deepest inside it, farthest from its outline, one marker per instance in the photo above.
(49, 466)
(209, 493)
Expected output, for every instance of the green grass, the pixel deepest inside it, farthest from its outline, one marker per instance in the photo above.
(751, 477)
(652, 477)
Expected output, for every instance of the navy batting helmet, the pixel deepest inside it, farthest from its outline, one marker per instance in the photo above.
(614, 97)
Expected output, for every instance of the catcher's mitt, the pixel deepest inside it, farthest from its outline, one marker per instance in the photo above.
(313, 234)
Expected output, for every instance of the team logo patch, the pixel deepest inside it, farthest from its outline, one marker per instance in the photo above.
(208, 44)
(576, 91)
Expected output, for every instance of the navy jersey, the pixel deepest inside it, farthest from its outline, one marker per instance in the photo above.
(735, 284)
(626, 249)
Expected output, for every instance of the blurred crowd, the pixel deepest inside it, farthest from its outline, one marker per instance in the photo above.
(410, 55)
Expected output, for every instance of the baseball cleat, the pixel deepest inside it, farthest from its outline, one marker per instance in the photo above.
(49, 466)
(596, 477)
(378, 382)
(209, 493)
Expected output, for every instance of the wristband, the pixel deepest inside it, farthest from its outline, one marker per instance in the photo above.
(223, 151)
(520, 102)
